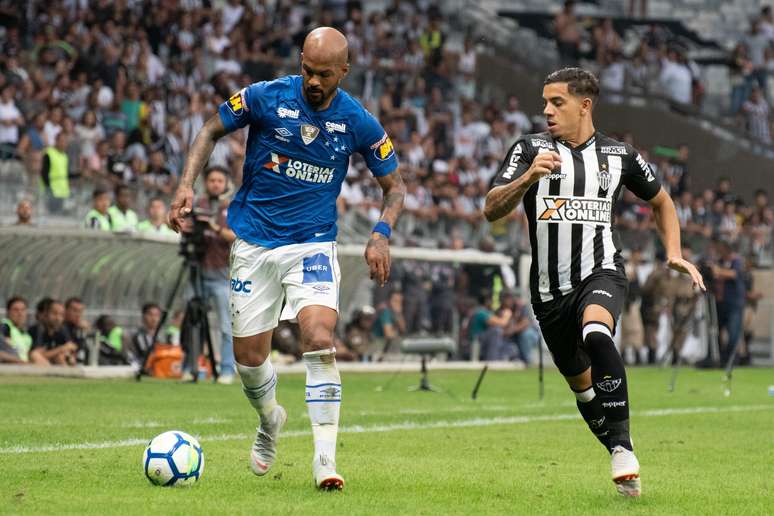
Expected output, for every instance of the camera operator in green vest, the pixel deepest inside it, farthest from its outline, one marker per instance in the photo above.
(98, 217)
(122, 216)
(54, 173)
(15, 342)
(156, 224)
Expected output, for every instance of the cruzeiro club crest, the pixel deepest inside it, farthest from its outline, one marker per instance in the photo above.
(609, 384)
(603, 175)
(309, 133)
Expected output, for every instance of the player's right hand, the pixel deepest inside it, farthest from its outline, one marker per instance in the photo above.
(544, 164)
(181, 207)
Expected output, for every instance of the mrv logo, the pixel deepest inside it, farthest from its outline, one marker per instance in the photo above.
(241, 287)
(576, 209)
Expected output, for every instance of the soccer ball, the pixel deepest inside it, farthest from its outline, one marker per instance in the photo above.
(173, 458)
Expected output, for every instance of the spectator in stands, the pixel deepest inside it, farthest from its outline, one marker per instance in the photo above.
(50, 342)
(723, 190)
(358, 332)
(520, 332)
(24, 213)
(740, 77)
(15, 342)
(122, 216)
(213, 207)
(632, 337)
(606, 40)
(158, 179)
(390, 324)
(415, 279)
(54, 172)
(486, 328)
(157, 219)
(432, 40)
(514, 115)
(98, 217)
(76, 327)
(142, 340)
(11, 121)
(756, 113)
(655, 301)
(676, 78)
(113, 342)
(767, 22)
(752, 298)
(568, 34)
(442, 297)
(731, 295)
(757, 42)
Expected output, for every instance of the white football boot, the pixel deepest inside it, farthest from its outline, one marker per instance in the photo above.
(264, 449)
(325, 476)
(626, 471)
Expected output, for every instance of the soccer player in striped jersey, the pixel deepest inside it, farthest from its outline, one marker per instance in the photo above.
(569, 179)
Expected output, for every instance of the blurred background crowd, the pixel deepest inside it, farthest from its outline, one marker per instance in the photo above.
(100, 101)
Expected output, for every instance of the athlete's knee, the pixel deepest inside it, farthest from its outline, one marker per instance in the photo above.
(318, 339)
(248, 351)
(580, 382)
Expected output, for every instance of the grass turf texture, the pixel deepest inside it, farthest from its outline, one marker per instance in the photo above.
(701, 453)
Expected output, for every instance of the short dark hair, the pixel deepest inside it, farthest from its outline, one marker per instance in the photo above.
(120, 187)
(148, 307)
(216, 168)
(72, 301)
(580, 82)
(13, 301)
(97, 192)
(45, 304)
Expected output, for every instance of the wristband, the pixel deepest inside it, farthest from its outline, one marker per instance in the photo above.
(382, 228)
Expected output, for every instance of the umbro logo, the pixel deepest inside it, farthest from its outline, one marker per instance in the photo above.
(282, 134)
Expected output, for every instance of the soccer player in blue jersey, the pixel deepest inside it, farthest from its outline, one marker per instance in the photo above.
(303, 130)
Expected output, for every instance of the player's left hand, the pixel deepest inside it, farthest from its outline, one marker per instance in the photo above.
(686, 267)
(377, 256)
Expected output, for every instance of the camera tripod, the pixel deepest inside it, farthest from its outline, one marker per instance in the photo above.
(195, 330)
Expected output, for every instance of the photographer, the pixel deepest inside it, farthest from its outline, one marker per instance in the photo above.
(212, 239)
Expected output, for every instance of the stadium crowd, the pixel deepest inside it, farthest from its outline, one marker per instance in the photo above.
(104, 101)
(659, 64)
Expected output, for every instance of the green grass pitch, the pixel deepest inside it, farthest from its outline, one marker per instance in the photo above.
(75, 446)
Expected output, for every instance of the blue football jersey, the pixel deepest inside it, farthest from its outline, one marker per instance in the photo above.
(296, 159)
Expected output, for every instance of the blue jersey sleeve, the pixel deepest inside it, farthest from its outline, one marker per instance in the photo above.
(243, 107)
(376, 147)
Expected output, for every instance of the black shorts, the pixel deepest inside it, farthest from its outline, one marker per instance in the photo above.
(561, 320)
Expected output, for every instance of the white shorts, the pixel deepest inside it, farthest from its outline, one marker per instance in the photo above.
(262, 279)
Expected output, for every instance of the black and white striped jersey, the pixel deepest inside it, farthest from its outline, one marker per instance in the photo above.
(570, 211)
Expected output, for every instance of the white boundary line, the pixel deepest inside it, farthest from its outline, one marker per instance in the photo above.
(357, 429)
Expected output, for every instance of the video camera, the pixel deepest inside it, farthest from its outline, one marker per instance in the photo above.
(192, 243)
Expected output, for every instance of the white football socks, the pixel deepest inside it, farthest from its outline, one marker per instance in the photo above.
(323, 398)
(260, 386)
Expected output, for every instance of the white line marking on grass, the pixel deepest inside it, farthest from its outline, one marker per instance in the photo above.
(408, 425)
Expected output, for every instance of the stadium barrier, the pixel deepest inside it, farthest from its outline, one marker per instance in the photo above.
(115, 274)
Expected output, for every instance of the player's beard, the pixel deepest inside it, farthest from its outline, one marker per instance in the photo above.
(317, 96)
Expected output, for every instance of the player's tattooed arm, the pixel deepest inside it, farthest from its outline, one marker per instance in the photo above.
(377, 253)
(198, 156)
